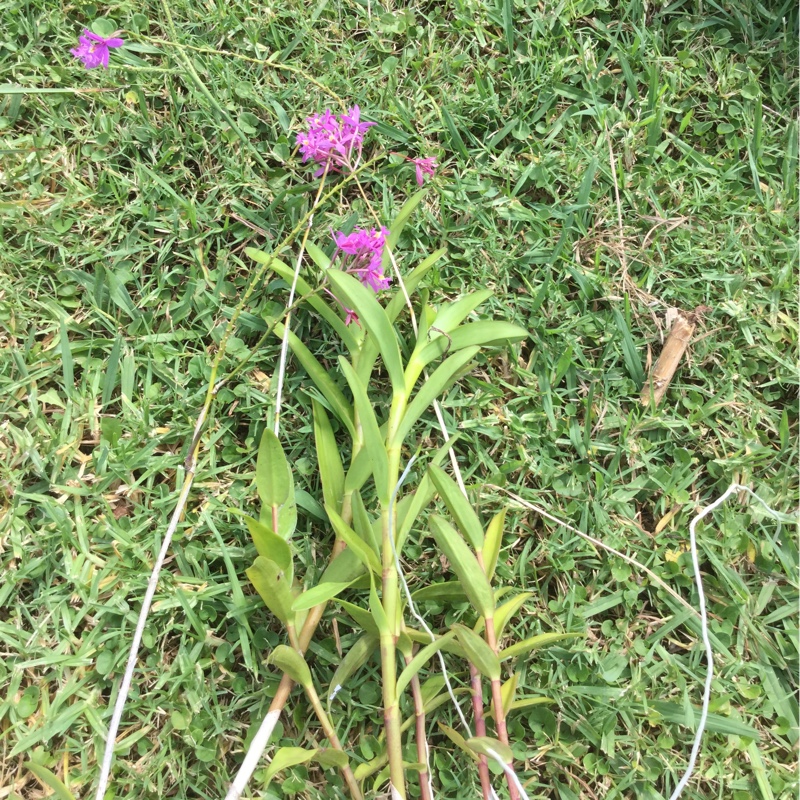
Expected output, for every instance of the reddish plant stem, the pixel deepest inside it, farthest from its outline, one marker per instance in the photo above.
(497, 704)
(422, 744)
(480, 728)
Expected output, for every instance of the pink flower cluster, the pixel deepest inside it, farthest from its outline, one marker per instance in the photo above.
(93, 50)
(363, 255)
(333, 141)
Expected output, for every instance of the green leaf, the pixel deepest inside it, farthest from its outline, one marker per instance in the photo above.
(506, 611)
(313, 298)
(288, 660)
(492, 542)
(459, 507)
(359, 472)
(376, 609)
(287, 757)
(478, 652)
(450, 591)
(360, 615)
(271, 546)
(485, 333)
(465, 565)
(60, 791)
(443, 377)
(331, 469)
(330, 757)
(317, 256)
(402, 218)
(419, 661)
(358, 297)
(534, 643)
(270, 581)
(365, 553)
(458, 740)
(319, 594)
(491, 748)
(507, 692)
(371, 432)
(716, 723)
(322, 380)
(345, 568)
(354, 659)
(452, 314)
(630, 352)
(527, 702)
(273, 475)
(362, 524)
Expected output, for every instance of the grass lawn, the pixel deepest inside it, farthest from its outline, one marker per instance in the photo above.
(600, 163)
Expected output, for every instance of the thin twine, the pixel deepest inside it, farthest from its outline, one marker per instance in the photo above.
(734, 487)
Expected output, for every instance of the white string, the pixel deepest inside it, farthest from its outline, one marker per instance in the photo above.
(127, 678)
(735, 487)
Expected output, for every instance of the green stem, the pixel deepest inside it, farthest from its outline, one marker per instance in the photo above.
(325, 723)
(391, 715)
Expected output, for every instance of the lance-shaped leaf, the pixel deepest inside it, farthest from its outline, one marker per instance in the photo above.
(503, 613)
(360, 615)
(403, 215)
(377, 611)
(363, 525)
(364, 552)
(358, 297)
(49, 779)
(478, 652)
(534, 643)
(465, 565)
(491, 748)
(527, 702)
(318, 256)
(331, 469)
(322, 380)
(321, 593)
(286, 757)
(313, 298)
(345, 568)
(452, 314)
(458, 740)
(459, 507)
(419, 661)
(273, 475)
(270, 581)
(449, 591)
(359, 472)
(442, 378)
(271, 546)
(492, 542)
(485, 333)
(354, 659)
(507, 692)
(292, 663)
(373, 441)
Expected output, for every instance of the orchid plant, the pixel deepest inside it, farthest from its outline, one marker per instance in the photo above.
(372, 510)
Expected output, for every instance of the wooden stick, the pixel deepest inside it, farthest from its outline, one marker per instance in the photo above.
(678, 340)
